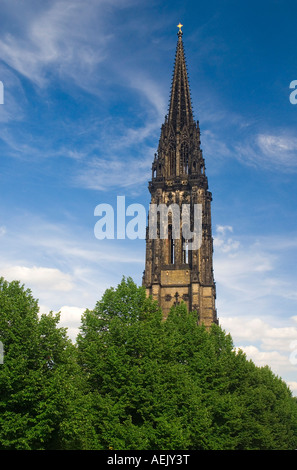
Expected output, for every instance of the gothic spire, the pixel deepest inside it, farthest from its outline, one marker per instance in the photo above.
(180, 108)
(176, 271)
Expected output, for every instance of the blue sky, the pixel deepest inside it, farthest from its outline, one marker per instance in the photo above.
(86, 89)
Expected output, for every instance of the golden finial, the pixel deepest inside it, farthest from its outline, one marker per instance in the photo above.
(180, 27)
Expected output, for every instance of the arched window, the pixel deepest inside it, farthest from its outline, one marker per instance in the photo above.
(185, 247)
(171, 161)
(171, 245)
(184, 158)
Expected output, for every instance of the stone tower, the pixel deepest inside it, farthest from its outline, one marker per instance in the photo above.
(173, 272)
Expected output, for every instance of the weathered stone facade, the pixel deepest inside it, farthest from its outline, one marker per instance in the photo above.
(172, 272)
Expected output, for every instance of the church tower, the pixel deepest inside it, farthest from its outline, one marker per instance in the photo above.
(175, 268)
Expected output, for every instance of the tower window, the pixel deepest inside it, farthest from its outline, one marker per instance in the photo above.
(171, 245)
(185, 251)
(171, 161)
(184, 158)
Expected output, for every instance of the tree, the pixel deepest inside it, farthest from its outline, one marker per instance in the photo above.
(175, 385)
(40, 385)
(133, 381)
(150, 399)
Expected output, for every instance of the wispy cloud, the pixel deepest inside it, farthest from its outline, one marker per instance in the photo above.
(152, 91)
(274, 151)
(14, 97)
(56, 36)
(111, 173)
(230, 135)
(120, 158)
(256, 299)
(251, 274)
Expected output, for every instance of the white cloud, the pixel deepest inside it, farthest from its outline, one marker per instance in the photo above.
(64, 265)
(256, 330)
(265, 345)
(103, 174)
(242, 271)
(243, 328)
(293, 387)
(152, 92)
(249, 272)
(222, 229)
(277, 146)
(14, 98)
(44, 42)
(273, 359)
(275, 151)
(70, 318)
(71, 36)
(223, 244)
(256, 299)
(39, 277)
(272, 149)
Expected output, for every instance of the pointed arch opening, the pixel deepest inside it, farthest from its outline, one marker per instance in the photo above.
(171, 245)
(184, 158)
(171, 166)
(185, 248)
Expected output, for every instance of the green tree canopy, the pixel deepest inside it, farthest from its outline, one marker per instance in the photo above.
(174, 385)
(40, 387)
(133, 381)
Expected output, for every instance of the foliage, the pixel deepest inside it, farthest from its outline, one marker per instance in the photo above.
(133, 381)
(174, 385)
(40, 388)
